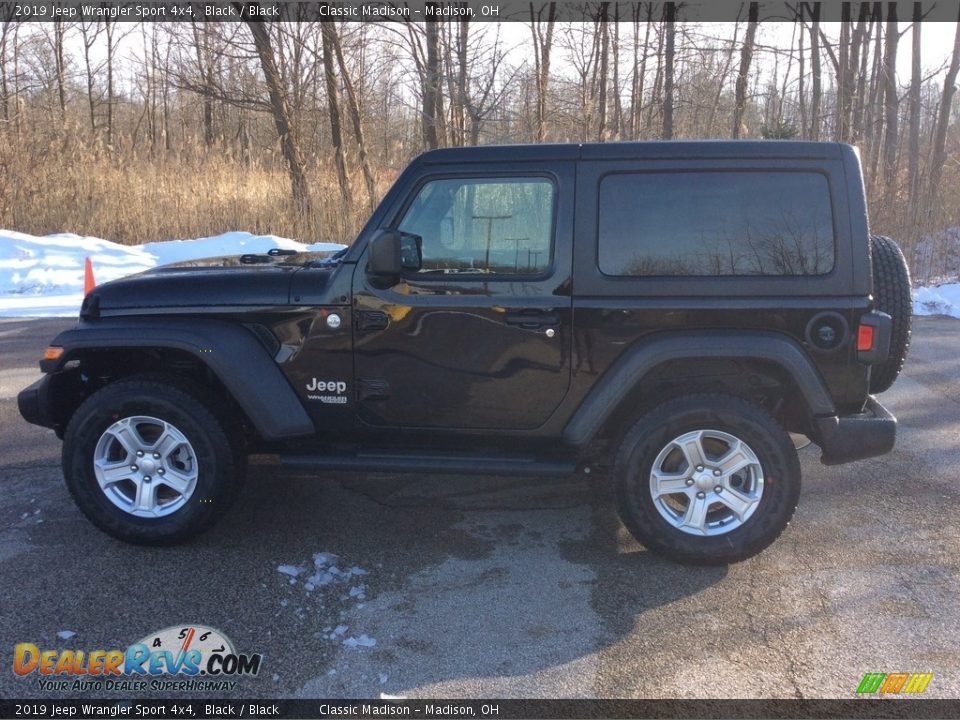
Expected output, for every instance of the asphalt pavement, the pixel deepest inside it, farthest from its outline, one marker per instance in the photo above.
(505, 587)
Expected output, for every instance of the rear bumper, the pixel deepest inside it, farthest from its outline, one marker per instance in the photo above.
(855, 437)
(34, 404)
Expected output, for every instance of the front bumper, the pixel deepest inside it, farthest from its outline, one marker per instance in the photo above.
(855, 437)
(34, 403)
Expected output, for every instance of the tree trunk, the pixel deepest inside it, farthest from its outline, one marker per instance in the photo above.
(109, 27)
(816, 88)
(746, 55)
(333, 106)
(18, 115)
(603, 65)
(542, 44)
(843, 65)
(4, 88)
(90, 31)
(891, 105)
(353, 106)
(670, 14)
(913, 150)
(656, 93)
(860, 97)
(801, 89)
(463, 70)
(59, 31)
(874, 114)
(943, 118)
(280, 110)
(619, 124)
(850, 78)
(639, 69)
(201, 41)
(432, 103)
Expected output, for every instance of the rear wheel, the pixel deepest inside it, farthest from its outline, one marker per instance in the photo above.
(707, 479)
(149, 462)
(892, 295)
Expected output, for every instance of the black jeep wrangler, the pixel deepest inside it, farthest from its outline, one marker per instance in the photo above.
(672, 311)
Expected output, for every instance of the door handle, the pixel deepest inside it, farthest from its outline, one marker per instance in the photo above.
(368, 320)
(531, 319)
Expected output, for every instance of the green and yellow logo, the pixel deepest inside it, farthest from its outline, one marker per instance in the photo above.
(894, 683)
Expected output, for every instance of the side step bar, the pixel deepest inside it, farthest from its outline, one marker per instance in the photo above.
(397, 462)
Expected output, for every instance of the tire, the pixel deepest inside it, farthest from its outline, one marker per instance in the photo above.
(202, 454)
(892, 295)
(716, 418)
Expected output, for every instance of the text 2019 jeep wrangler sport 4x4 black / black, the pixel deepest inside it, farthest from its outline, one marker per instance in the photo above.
(670, 310)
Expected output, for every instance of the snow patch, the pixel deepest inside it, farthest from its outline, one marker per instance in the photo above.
(362, 641)
(66, 634)
(291, 570)
(43, 276)
(937, 300)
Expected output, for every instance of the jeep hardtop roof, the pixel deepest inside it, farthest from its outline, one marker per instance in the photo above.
(656, 149)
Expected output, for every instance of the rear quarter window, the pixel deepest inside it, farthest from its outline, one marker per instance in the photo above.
(715, 223)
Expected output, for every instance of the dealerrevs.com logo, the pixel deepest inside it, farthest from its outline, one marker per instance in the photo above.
(899, 683)
(178, 658)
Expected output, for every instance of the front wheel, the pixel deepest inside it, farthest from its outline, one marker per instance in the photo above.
(707, 479)
(150, 463)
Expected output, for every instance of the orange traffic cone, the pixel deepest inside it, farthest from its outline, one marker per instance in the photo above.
(88, 282)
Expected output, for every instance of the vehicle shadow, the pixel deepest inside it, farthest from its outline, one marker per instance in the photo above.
(504, 587)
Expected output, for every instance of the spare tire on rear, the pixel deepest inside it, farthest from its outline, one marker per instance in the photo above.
(892, 295)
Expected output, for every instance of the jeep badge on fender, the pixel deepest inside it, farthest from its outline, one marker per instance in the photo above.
(668, 313)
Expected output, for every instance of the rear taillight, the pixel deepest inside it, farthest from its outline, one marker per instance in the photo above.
(865, 338)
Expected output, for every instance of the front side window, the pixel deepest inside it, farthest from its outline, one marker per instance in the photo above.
(715, 223)
(483, 225)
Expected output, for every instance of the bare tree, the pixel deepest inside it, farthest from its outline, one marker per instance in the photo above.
(90, 31)
(816, 88)
(602, 69)
(333, 107)
(639, 67)
(59, 59)
(280, 110)
(542, 45)
(874, 111)
(203, 44)
(110, 30)
(943, 118)
(916, 81)
(353, 106)
(6, 27)
(432, 97)
(891, 103)
(670, 15)
(746, 55)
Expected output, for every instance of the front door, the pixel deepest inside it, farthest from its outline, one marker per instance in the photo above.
(479, 336)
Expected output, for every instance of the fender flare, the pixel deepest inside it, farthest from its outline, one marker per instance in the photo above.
(631, 367)
(232, 353)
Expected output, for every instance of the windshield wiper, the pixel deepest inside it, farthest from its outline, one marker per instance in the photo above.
(261, 259)
(329, 260)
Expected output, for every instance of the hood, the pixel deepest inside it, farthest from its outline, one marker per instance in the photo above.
(254, 280)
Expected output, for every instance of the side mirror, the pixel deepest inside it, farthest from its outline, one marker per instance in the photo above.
(411, 251)
(384, 261)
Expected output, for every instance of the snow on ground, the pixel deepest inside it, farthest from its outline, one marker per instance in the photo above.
(43, 276)
(327, 575)
(938, 300)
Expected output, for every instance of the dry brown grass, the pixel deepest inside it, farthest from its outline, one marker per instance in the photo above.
(50, 184)
(138, 197)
